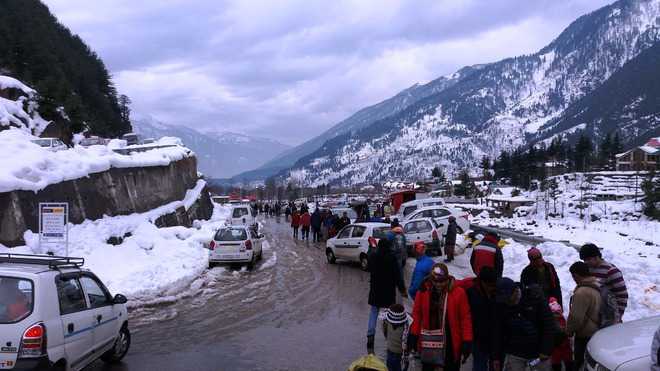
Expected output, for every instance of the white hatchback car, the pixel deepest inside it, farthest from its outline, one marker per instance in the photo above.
(51, 144)
(236, 244)
(56, 316)
(243, 215)
(622, 347)
(441, 214)
(352, 242)
(427, 230)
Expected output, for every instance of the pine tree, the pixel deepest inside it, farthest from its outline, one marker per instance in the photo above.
(651, 188)
(485, 167)
(604, 151)
(616, 148)
(583, 153)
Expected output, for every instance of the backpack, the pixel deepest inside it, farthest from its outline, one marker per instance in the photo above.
(608, 312)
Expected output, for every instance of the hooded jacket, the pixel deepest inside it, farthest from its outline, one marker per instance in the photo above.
(422, 269)
(458, 314)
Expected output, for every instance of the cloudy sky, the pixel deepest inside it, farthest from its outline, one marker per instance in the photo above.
(290, 69)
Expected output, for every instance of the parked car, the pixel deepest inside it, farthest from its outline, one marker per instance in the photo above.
(236, 244)
(622, 347)
(427, 230)
(93, 141)
(149, 141)
(409, 207)
(443, 213)
(242, 214)
(339, 211)
(132, 139)
(54, 315)
(51, 144)
(352, 242)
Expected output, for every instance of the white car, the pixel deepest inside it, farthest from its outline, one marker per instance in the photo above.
(427, 230)
(243, 215)
(352, 242)
(236, 244)
(442, 214)
(409, 207)
(51, 144)
(54, 315)
(622, 347)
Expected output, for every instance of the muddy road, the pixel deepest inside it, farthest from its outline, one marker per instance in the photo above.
(292, 312)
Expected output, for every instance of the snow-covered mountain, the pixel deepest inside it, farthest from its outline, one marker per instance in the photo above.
(497, 106)
(220, 154)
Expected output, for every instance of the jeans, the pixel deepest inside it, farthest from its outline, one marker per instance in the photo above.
(580, 347)
(373, 318)
(316, 234)
(305, 233)
(393, 361)
(479, 359)
(514, 363)
(295, 232)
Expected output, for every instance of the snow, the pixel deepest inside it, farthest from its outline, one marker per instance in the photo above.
(7, 82)
(151, 261)
(39, 167)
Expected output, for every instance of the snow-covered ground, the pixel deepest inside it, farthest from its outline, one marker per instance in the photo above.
(151, 261)
(39, 167)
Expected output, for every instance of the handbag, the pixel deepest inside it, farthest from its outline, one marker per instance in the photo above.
(432, 342)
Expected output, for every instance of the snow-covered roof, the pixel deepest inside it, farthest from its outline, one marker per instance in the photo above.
(650, 150)
(509, 198)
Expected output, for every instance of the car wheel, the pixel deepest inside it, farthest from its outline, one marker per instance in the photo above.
(211, 265)
(119, 350)
(261, 255)
(250, 265)
(364, 262)
(330, 256)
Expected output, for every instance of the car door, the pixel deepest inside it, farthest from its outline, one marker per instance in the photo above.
(103, 315)
(410, 230)
(77, 323)
(358, 242)
(342, 245)
(256, 242)
(424, 231)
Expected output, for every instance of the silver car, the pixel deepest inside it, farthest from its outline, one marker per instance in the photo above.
(622, 347)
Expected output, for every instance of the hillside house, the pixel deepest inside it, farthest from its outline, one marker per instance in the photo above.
(646, 157)
(507, 199)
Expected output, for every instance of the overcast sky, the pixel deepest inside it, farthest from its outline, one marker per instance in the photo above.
(290, 69)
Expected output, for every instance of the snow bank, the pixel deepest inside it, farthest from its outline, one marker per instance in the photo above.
(7, 82)
(150, 261)
(39, 167)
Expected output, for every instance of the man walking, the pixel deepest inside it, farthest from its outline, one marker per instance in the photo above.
(316, 224)
(422, 268)
(481, 297)
(583, 315)
(450, 239)
(607, 273)
(385, 278)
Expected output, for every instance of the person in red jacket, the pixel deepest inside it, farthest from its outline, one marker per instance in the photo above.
(295, 223)
(438, 298)
(488, 253)
(305, 223)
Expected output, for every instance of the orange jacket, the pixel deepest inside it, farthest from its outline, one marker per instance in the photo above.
(458, 315)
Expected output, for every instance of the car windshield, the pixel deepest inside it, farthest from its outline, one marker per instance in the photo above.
(16, 299)
(233, 234)
(42, 142)
(381, 232)
(240, 212)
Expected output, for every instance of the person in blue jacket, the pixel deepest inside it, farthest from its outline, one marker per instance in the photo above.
(422, 269)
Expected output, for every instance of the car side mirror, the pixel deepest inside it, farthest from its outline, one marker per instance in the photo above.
(119, 299)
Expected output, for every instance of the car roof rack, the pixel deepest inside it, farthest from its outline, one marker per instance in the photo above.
(52, 261)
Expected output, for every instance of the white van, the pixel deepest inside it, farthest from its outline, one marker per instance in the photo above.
(410, 206)
(243, 215)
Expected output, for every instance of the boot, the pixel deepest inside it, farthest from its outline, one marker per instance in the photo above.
(370, 344)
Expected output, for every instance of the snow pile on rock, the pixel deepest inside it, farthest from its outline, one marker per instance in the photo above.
(22, 112)
(147, 261)
(27, 166)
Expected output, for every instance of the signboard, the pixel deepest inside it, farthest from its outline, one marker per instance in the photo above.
(53, 229)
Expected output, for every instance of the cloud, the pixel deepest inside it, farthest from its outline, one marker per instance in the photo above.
(289, 69)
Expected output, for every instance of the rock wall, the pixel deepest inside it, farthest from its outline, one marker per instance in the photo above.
(118, 191)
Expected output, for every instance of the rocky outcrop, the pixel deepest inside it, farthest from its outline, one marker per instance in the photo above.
(118, 191)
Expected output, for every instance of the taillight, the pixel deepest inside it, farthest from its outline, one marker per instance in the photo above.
(33, 343)
(435, 235)
(212, 245)
(248, 245)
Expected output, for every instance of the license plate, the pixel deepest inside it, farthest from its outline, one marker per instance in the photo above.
(230, 256)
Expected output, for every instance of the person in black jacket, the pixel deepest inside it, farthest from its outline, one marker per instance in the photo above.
(524, 328)
(385, 278)
(481, 297)
(539, 272)
(316, 224)
(450, 239)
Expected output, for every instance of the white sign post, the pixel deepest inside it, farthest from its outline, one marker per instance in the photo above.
(53, 225)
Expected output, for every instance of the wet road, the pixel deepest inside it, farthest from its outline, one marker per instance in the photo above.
(292, 312)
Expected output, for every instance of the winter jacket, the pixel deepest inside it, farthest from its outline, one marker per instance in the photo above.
(609, 275)
(526, 329)
(385, 276)
(562, 352)
(655, 351)
(466, 283)
(305, 220)
(341, 223)
(316, 220)
(450, 237)
(482, 310)
(487, 253)
(422, 269)
(458, 315)
(551, 286)
(295, 220)
(583, 315)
